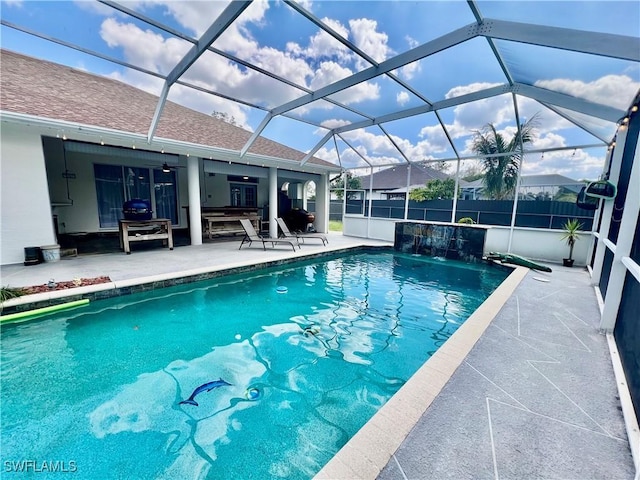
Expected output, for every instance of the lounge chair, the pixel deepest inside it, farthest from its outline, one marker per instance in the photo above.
(252, 236)
(298, 235)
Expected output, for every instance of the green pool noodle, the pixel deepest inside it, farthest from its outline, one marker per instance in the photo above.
(27, 314)
(517, 260)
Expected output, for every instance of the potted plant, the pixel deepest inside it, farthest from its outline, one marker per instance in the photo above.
(571, 235)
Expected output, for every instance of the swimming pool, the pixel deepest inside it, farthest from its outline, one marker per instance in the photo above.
(98, 389)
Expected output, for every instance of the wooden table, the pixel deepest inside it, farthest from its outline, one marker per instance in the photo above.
(216, 224)
(142, 230)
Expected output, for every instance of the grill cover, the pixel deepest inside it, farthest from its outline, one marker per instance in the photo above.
(137, 209)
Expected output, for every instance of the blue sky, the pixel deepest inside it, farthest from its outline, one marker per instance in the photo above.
(281, 41)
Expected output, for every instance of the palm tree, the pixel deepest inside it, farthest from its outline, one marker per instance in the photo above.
(501, 172)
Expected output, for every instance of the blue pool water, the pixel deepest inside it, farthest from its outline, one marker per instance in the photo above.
(98, 389)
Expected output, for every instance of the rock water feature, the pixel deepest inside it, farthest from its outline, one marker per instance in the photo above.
(454, 242)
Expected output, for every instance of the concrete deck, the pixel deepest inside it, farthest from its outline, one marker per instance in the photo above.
(524, 389)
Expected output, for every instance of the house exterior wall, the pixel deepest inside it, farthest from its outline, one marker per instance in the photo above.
(25, 207)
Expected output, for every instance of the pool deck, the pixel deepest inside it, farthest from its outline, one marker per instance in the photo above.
(526, 388)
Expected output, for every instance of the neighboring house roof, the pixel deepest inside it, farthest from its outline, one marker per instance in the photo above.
(542, 180)
(44, 89)
(461, 184)
(396, 177)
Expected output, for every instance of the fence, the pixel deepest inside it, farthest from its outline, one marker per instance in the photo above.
(531, 213)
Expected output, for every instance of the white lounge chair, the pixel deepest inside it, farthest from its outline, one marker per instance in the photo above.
(297, 235)
(252, 236)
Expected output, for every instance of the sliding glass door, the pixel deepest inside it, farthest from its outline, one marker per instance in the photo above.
(115, 184)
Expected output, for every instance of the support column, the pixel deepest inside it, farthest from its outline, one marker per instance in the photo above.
(607, 209)
(623, 248)
(370, 202)
(195, 218)
(273, 202)
(322, 204)
(454, 209)
(515, 204)
(406, 195)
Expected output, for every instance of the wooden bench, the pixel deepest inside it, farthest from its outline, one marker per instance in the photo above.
(217, 224)
(143, 230)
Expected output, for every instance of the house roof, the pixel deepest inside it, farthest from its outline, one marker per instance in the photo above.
(49, 90)
(543, 180)
(396, 177)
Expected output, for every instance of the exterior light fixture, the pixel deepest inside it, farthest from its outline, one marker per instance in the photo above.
(165, 168)
(101, 141)
(634, 109)
(64, 136)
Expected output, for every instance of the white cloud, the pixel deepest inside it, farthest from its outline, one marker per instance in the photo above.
(402, 98)
(368, 39)
(334, 123)
(412, 42)
(410, 69)
(614, 90)
(143, 48)
(578, 164)
(323, 45)
(460, 90)
(330, 72)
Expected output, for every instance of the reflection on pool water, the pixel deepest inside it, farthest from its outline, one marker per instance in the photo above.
(300, 370)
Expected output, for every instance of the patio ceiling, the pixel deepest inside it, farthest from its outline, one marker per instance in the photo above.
(369, 94)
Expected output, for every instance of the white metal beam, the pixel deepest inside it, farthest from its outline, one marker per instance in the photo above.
(447, 103)
(226, 18)
(442, 43)
(580, 105)
(394, 143)
(587, 129)
(254, 136)
(595, 43)
(356, 151)
(317, 147)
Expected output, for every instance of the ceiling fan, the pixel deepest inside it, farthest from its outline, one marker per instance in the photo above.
(166, 167)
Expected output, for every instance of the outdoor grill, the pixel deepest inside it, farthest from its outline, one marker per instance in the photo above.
(298, 219)
(137, 209)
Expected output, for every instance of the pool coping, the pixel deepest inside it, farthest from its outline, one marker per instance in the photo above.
(123, 287)
(370, 449)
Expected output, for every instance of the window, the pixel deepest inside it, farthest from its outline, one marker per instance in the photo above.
(243, 195)
(164, 185)
(115, 184)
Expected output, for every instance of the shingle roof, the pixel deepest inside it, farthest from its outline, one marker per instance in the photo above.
(50, 90)
(396, 177)
(541, 180)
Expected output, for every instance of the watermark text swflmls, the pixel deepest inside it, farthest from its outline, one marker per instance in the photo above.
(39, 466)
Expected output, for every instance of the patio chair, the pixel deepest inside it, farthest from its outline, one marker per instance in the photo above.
(299, 235)
(252, 236)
